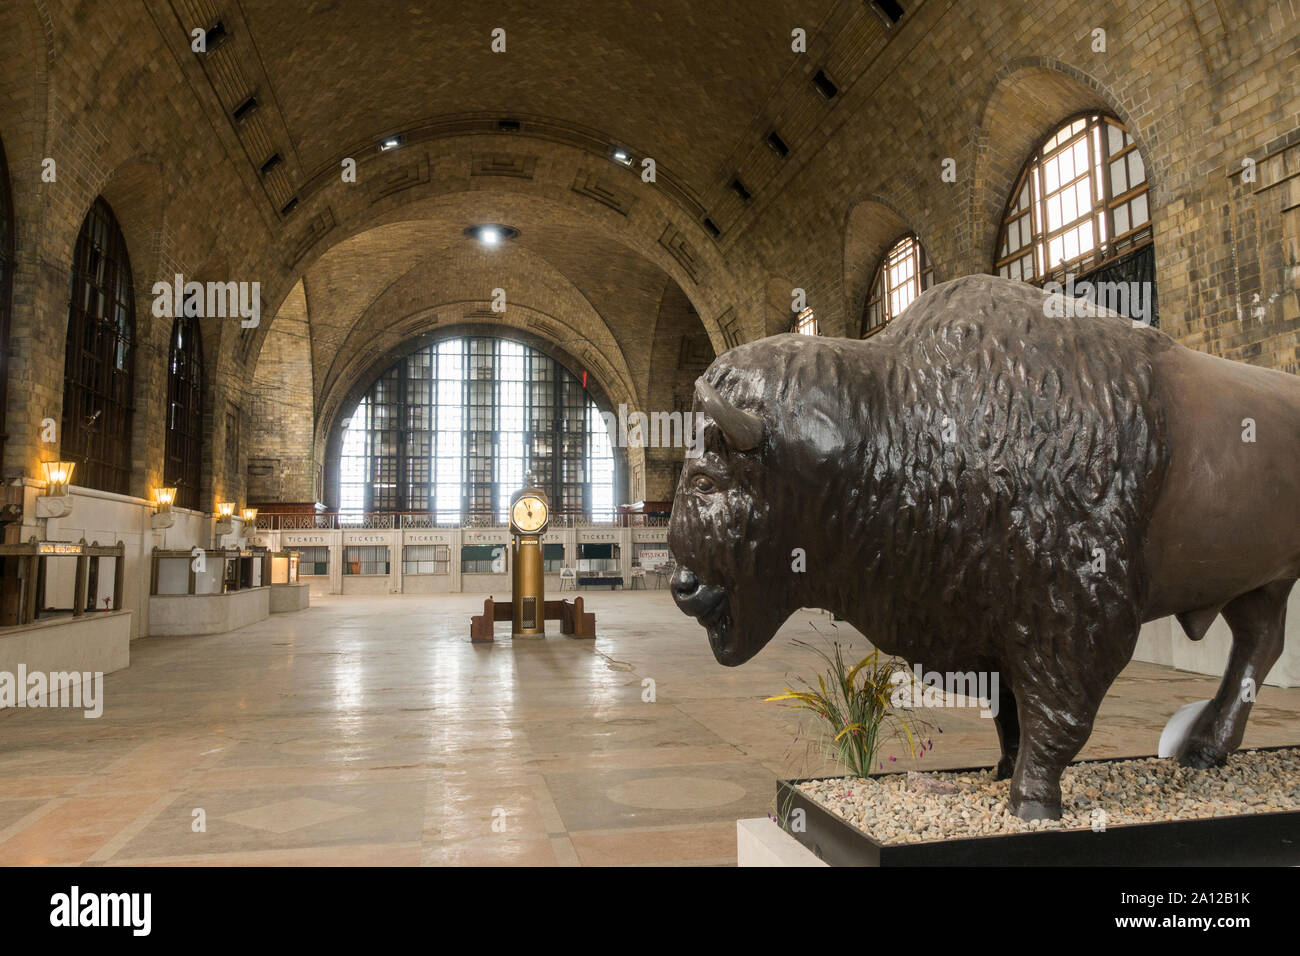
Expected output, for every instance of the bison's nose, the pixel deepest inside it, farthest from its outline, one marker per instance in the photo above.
(684, 583)
(692, 597)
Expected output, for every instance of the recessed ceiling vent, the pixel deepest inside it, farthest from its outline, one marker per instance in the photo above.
(214, 38)
(889, 9)
(825, 85)
(245, 109)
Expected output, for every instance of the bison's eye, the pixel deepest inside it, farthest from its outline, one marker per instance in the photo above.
(703, 484)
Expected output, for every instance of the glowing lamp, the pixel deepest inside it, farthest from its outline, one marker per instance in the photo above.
(58, 475)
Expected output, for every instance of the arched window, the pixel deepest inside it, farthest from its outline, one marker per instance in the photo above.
(183, 467)
(902, 274)
(97, 373)
(6, 286)
(1080, 210)
(454, 427)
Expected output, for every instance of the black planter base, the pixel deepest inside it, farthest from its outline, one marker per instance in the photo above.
(1255, 839)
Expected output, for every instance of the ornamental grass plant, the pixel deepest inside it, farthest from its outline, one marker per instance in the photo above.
(854, 711)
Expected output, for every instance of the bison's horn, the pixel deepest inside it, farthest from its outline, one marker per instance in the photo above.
(743, 430)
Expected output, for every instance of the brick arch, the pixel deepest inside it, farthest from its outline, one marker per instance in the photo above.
(871, 227)
(137, 192)
(212, 330)
(679, 353)
(1028, 100)
(576, 187)
(521, 323)
(330, 426)
(446, 288)
(132, 192)
(778, 295)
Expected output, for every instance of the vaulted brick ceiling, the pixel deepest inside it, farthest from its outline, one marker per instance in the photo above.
(679, 80)
(593, 269)
(682, 82)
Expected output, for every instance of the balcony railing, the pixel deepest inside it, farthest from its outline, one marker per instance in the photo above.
(423, 520)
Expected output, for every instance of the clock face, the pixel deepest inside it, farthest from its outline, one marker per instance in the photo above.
(528, 514)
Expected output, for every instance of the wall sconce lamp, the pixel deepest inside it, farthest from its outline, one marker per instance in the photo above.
(56, 502)
(163, 517)
(225, 516)
(58, 475)
(250, 522)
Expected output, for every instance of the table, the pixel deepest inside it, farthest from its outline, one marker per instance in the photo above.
(600, 580)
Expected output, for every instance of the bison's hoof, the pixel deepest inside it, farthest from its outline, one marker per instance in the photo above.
(1037, 810)
(1201, 756)
(1005, 768)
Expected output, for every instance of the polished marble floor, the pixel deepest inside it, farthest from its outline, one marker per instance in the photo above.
(370, 731)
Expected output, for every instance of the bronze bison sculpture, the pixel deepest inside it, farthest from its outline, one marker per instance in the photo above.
(983, 486)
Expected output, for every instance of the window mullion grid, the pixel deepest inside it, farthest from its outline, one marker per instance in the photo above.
(371, 473)
(1038, 199)
(401, 415)
(466, 420)
(1096, 167)
(557, 441)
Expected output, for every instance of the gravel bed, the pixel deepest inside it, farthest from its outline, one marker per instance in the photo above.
(938, 805)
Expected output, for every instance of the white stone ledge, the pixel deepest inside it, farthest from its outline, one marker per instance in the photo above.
(186, 615)
(98, 642)
(760, 842)
(290, 597)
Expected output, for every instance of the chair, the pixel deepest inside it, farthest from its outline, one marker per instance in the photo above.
(662, 573)
(638, 578)
(568, 579)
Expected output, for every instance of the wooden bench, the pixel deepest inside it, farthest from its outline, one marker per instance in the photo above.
(573, 620)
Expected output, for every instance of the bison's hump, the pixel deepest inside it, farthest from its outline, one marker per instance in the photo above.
(1001, 305)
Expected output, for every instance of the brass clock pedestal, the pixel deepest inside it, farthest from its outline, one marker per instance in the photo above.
(530, 513)
(528, 610)
(527, 587)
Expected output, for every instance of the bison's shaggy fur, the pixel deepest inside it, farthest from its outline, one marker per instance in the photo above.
(984, 482)
(977, 500)
(998, 483)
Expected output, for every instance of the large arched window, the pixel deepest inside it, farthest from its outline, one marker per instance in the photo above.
(1080, 210)
(6, 286)
(99, 358)
(185, 412)
(902, 274)
(454, 427)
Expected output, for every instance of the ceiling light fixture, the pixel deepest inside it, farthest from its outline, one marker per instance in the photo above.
(389, 142)
(491, 234)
